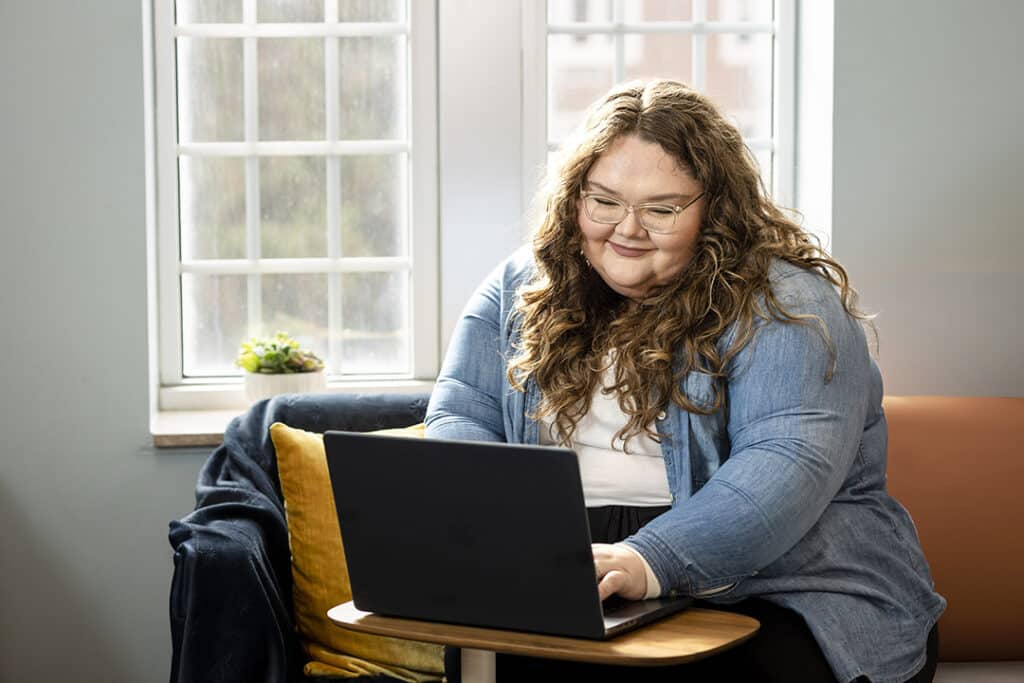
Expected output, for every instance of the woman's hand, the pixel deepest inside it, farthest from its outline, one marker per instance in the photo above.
(619, 570)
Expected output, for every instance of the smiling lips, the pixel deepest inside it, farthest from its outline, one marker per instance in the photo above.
(626, 251)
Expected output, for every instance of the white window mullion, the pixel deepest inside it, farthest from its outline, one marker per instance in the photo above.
(423, 206)
(168, 241)
(619, 18)
(277, 266)
(784, 103)
(252, 241)
(250, 66)
(291, 30)
(294, 148)
(333, 179)
(152, 272)
(660, 28)
(534, 99)
(699, 46)
(334, 321)
(814, 85)
(759, 143)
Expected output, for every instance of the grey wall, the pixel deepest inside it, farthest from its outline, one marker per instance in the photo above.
(928, 169)
(926, 215)
(84, 501)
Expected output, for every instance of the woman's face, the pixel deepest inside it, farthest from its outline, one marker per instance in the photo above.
(628, 258)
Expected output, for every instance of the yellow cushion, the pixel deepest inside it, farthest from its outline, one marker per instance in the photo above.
(321, 577)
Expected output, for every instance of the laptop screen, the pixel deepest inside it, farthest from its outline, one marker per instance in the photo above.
(465, 532)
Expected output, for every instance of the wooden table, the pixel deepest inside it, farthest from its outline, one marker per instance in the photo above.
(686, 636)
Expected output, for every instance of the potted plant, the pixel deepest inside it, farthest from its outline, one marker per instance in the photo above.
(279, 365)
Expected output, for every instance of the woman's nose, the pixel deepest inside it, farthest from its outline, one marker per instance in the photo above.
(630, 226)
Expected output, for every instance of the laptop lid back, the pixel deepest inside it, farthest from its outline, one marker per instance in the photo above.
(471, 533)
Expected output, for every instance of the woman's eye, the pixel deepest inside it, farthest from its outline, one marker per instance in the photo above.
(604, 201)
(660, 210)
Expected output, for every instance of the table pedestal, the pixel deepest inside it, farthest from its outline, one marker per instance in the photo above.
(479, 666)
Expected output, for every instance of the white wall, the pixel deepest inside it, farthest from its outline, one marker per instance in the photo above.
(85, 565)
(480, 133)
(926, 214)
(927, 206)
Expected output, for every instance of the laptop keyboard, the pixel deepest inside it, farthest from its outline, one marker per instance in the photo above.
(614, 604)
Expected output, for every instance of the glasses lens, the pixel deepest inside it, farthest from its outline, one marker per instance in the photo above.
(605, 210)
(658, 218)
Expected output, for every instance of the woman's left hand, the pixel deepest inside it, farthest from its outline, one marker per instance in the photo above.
(619, 570)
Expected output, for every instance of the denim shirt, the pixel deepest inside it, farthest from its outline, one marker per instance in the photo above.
(780, 494)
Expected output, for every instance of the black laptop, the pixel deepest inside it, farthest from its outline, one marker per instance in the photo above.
(481, 534)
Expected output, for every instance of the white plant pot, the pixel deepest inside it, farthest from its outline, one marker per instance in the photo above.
(259, 385)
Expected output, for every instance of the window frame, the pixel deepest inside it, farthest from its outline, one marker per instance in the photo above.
(446, 76)
(782, 28)
(176, 391)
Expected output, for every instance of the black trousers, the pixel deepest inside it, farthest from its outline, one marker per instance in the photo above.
(783, 649)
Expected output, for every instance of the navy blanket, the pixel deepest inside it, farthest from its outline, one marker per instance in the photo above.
(231, 593)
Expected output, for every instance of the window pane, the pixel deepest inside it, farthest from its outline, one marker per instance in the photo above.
(662, 10)
(374, 192)
(739, 80)
(659, 56)
(293, 207)
(212, 196)
(214, 314)
(764, 161)
(269, 11)
(371, 10)
(297, 304)
(552, 163)
(373, 88)
(374, 315)
(579, 71)
(208, 11)
(575, 11)
(740, 10)
(209, 89)
(291, 87)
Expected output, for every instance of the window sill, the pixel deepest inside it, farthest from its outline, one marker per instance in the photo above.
(190, 428)
(179, 425)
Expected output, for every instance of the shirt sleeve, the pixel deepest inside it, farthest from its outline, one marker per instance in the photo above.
(794, 424)
(653, 586)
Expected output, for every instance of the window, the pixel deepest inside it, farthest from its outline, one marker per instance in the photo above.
(296, 183)
(739, 52)
(298, 176)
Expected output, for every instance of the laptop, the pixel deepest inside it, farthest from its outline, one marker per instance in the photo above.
(478, 534)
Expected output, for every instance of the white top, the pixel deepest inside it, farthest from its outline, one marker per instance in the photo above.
(610, 475)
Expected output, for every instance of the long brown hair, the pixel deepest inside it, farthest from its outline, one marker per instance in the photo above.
(572, 323)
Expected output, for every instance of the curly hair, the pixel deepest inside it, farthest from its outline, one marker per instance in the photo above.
(574, 327)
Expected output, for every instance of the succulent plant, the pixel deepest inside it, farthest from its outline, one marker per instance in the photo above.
(276, 355)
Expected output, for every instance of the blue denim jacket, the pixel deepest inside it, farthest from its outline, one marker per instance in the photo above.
(781, 493)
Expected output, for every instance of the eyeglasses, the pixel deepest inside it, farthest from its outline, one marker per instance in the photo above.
(656, 218)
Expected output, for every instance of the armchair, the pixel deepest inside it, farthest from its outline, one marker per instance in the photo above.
(231, 591)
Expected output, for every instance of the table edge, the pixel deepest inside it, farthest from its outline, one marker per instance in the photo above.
(557, 647)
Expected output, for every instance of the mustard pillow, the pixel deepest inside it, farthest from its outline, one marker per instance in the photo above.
(321, 578)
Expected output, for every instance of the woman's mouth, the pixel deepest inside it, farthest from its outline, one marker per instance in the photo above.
(627, 251)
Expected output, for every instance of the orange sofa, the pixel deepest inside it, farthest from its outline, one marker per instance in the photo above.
(957, 464)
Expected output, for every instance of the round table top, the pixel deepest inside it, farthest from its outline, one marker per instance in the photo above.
(691, 634)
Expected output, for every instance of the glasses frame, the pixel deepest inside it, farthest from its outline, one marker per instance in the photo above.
(635, 208)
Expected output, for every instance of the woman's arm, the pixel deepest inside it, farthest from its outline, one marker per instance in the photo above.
(793, 438)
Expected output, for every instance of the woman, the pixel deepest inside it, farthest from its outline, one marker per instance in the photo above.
(708, 364)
